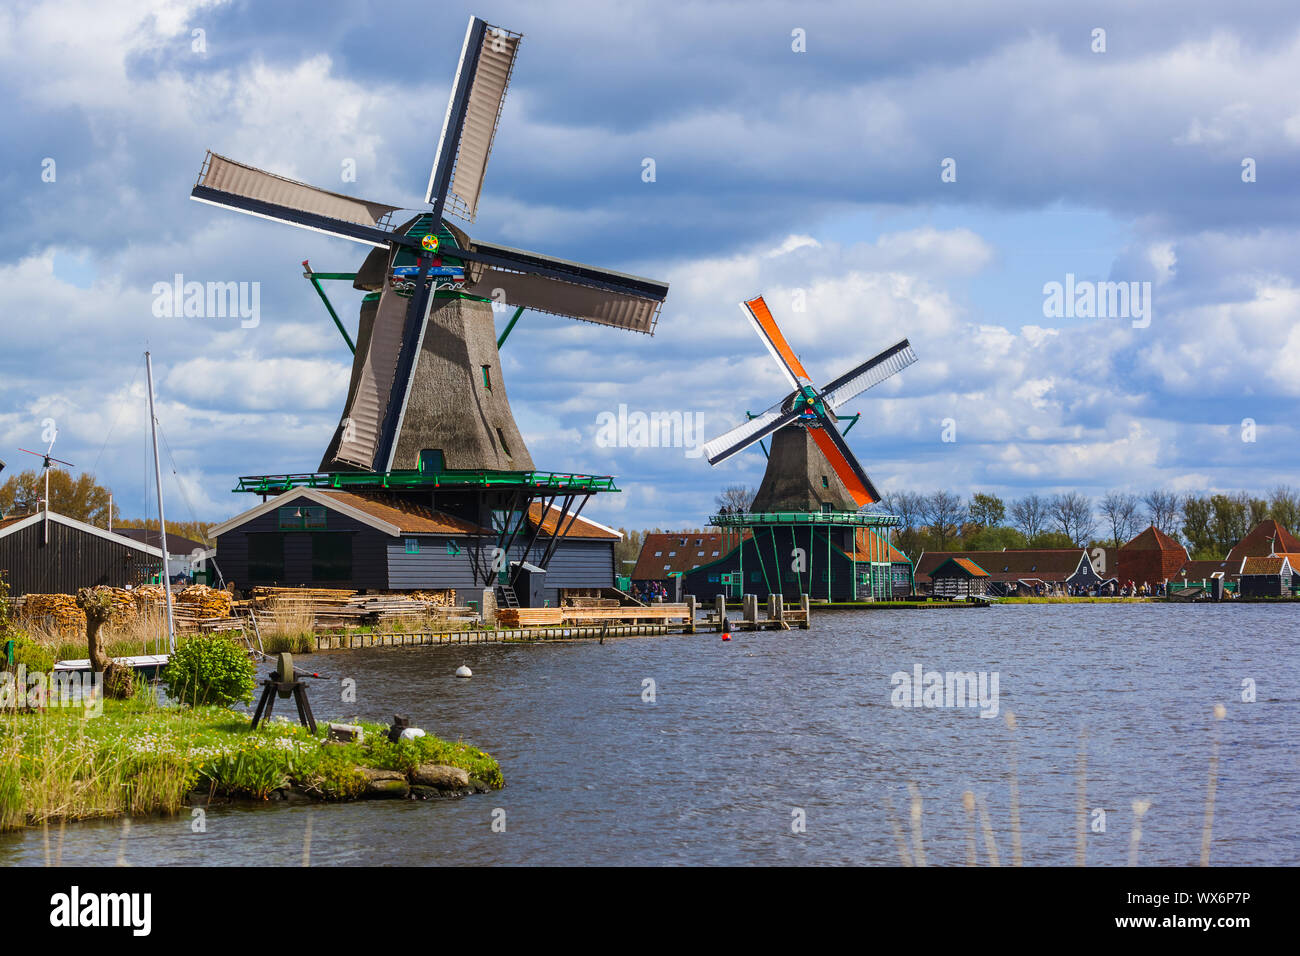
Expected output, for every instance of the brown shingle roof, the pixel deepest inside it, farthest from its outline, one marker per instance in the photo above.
(579, 528)
(1202, 570)
(1044, 564)
(409, 518)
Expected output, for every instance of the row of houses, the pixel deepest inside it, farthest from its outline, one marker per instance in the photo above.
(1261, 564)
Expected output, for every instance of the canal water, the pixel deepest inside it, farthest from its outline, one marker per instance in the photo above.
(786, 748)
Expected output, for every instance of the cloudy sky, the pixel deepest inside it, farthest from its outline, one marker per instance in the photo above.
(920, 170)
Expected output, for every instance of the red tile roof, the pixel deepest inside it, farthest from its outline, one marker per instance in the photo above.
(966, 564)
(663, 553)
(1266, 537)
(1149, 558)
(869, 546)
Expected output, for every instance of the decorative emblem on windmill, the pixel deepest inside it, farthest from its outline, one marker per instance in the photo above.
(426, 388)
(804, 430)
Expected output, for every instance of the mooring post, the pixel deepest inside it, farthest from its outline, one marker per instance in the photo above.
(771, 607)
(690, 614)
(780, 609)
(720, 608)
(805, 606)
(751, 609)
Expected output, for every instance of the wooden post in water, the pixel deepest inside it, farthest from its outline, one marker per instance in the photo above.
(751, 610)
(690, 614)
(720, 607)
(780, 609)
(805, 606)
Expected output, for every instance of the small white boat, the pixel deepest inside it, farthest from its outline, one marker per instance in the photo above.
(147, 664)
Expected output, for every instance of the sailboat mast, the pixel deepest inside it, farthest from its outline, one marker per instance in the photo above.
(162, 521)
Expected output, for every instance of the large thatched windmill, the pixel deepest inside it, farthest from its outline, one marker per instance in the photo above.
(426, 417)
(808, 530)
(426, 387)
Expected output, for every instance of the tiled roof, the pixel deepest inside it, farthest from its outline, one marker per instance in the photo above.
(663, 553)
(580, 527)
(1273, 565)
(1153, 539)
(409, 518)
(1044, 564)
(1150, 558)
(966, 564)
(869, 546)
(1202, 570)
(1267, 536)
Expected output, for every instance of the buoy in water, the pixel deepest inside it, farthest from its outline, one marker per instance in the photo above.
(464, 671)
(726, 629)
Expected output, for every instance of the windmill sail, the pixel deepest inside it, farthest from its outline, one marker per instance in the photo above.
(842, 460)
(869, 374)
(761, 317)
(756, 429)
(247, 189)
(487, 58)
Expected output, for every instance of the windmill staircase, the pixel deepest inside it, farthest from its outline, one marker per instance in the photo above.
(506, 597)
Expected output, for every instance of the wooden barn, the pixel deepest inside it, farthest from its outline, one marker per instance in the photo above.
(959, 578)
(47, 553)
(312, 537)
(1265, 577)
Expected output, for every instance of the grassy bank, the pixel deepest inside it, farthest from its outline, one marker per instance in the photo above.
(139, 757)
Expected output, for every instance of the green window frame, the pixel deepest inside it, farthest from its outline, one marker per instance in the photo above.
(412, 545)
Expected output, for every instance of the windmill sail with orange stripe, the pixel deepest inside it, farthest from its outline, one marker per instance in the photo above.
(811, 409)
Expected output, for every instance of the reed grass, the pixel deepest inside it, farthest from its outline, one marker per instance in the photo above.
(142, 757)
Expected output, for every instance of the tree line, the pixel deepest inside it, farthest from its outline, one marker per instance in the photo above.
(83, 499)
(1208, 525)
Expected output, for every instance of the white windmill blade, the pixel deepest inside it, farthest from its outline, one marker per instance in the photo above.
(760, 317)
(870, 373)
(487, 58)
(742, 436)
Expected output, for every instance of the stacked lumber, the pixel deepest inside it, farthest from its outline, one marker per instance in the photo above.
(529, 616)
(339, 608)
(591, 602)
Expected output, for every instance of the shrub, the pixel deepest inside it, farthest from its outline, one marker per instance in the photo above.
(210, 669)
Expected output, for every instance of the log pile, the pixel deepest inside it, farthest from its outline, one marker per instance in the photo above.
(191, 606)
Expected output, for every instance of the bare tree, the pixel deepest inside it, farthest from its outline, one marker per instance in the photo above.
(1120, 511)
(1029, 515)
(1162, 510)
(944, 513)
(735, 499)
(1072, 515)
(910, 509)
